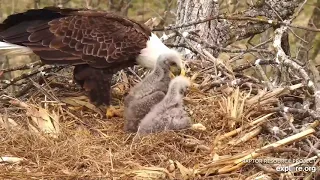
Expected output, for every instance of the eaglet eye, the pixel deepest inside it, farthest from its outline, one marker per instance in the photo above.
(171, 63)
(183, 92)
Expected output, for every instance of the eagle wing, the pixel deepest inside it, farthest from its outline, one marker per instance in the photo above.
(97, 43)
(66, 36)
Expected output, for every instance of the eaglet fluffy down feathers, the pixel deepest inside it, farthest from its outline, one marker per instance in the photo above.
(151, 90)
(168, 114)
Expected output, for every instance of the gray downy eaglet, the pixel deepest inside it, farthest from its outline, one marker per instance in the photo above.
(169, 114)
(151, 90)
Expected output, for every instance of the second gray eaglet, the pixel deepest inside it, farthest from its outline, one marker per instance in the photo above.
(169, 114)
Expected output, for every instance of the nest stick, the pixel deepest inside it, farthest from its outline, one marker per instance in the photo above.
(241, 162)
(22, 67)
(247, 136)
(283, 58)
(26, 75)
(277, 144)
(263, 75)
(238, 130)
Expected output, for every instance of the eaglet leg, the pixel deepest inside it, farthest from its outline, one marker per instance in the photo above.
(97, 82)
(138, 108)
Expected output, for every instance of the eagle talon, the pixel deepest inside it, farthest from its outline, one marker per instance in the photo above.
(113, 112)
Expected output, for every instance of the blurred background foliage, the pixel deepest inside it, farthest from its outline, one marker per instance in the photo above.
(140, 10)
(302, 44)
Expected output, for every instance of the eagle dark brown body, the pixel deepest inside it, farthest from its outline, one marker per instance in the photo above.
(97, 43)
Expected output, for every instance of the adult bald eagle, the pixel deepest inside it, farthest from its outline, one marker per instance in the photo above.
(97, 43)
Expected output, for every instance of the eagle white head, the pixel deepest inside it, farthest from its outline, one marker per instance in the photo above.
(149, 55)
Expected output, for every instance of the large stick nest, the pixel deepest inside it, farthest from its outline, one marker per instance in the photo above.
(53, 132)
(259, 124)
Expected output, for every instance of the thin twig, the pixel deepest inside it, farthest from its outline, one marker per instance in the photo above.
(265, 21)
(249, 65)
(22, 67)
(26, 75)
(211, 46)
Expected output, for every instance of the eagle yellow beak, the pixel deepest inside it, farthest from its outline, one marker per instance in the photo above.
(176, 71)
(193, 87)
(183, 72)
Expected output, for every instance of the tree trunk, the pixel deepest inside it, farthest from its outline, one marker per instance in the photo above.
(193, 10)
(222, 32)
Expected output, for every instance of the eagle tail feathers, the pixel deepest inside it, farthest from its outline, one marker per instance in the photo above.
(11, 49)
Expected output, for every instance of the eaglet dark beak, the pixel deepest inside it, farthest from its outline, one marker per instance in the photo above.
(176, 71)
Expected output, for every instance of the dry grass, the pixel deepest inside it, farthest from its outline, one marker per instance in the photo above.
(90, 147)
